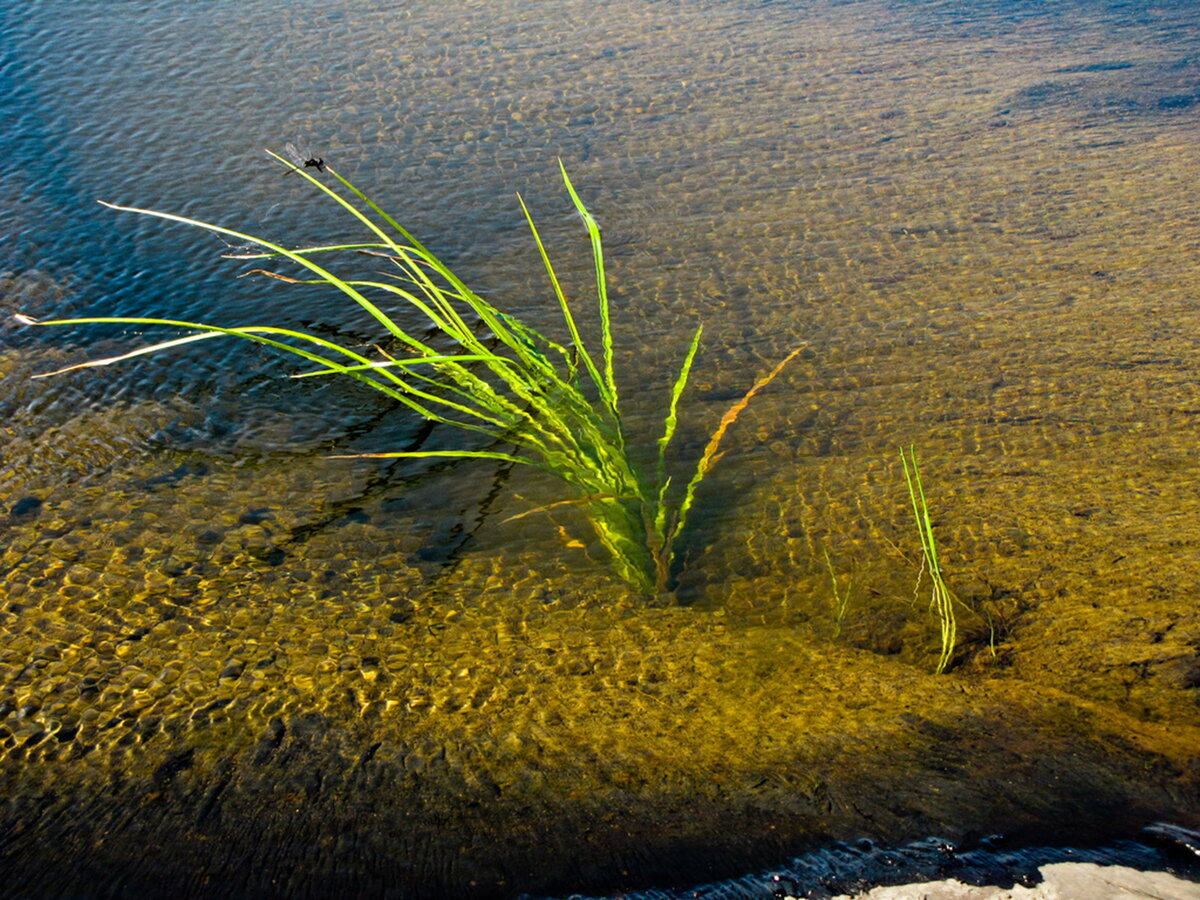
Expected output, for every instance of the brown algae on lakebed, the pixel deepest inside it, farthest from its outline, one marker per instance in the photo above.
(189, 681)
(191, 640)
(214, 638)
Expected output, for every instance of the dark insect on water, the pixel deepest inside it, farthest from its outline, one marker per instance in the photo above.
(302, 158)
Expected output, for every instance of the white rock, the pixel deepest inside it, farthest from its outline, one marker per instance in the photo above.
(1061, 881)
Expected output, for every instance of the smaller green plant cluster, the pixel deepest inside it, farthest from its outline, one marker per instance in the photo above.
(945, 607)
(532, 400)
(941, 601)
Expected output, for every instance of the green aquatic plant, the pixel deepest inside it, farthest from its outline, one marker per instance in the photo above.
(841, 595)
(530, 400)
(941, 601)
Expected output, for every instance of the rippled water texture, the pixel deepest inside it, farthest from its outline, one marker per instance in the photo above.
(232, 665)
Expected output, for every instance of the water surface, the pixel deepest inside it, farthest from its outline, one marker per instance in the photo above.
(979, 220)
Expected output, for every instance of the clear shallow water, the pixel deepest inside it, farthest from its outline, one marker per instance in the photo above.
(979, 219)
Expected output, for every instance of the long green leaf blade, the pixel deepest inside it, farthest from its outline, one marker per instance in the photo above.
(593, 230)
(669, 426)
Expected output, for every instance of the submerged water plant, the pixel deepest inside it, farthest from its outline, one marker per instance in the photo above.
(941, 600)
(841, 595)
(534, 400)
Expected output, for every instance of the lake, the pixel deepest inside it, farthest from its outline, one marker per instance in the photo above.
(233, 664)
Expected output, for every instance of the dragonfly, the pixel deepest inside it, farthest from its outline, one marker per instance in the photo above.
(301, 157)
